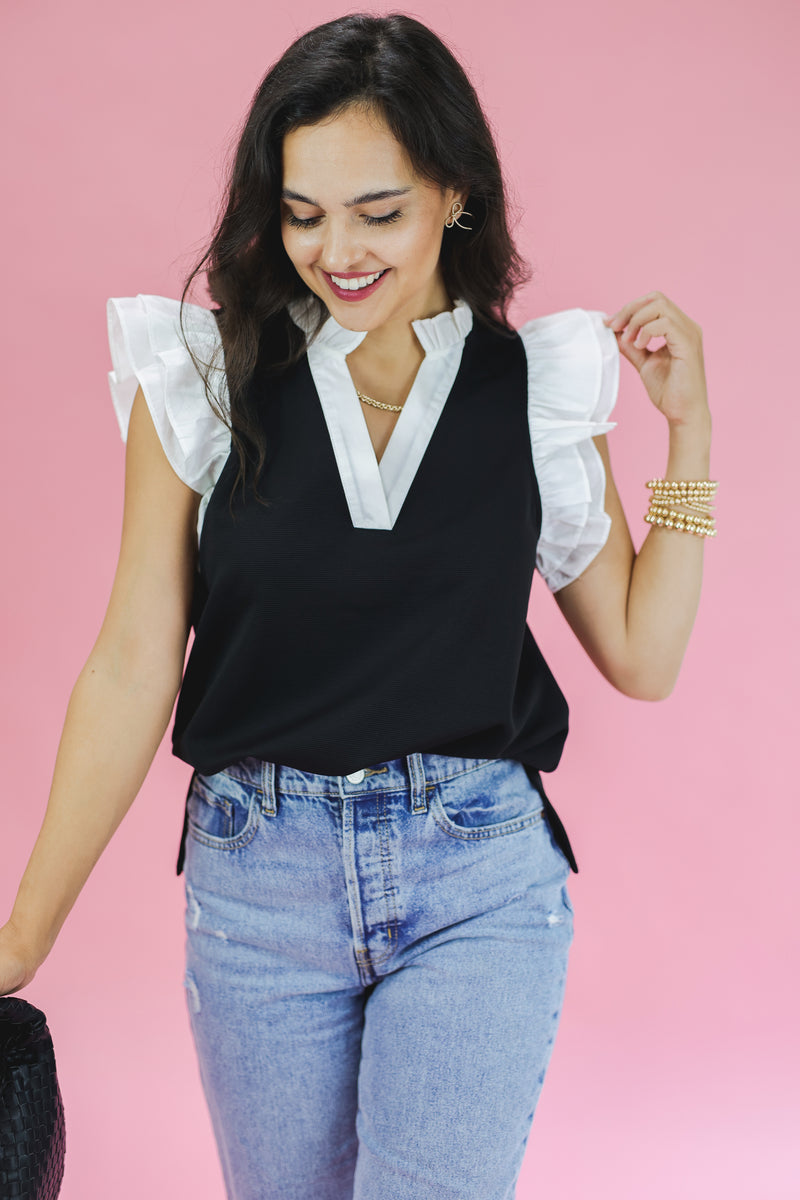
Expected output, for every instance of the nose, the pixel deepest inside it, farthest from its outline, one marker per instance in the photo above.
(341, 247)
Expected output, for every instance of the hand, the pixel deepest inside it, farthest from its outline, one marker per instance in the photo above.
(17, 964)
(674, 375)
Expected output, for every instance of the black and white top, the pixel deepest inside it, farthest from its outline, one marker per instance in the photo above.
(375, 609)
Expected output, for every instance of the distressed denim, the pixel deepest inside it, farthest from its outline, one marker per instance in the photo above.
(375, 969)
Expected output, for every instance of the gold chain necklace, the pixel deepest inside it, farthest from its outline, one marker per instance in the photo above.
(377, 403)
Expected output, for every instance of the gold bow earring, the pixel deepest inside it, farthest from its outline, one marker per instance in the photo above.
(455, 212)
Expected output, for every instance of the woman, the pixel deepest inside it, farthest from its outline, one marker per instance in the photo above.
(377, 914)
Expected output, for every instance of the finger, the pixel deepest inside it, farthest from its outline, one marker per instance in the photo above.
(648, 312)
(658, 310)
(633, 354)
(621, 318)
(651, 329)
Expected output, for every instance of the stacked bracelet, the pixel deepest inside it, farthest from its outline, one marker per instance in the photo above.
(692, 494)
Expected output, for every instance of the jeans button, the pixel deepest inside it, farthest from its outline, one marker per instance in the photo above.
(355, 776)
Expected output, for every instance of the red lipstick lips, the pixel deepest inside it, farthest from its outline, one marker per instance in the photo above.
(354, 293)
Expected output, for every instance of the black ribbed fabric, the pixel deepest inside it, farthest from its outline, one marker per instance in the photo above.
(329, 648)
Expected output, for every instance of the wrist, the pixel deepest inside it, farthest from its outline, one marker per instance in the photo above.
(695, 430)
(19, 961)
(689, 450)
(33, 940)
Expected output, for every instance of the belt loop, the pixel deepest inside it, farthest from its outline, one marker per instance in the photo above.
(416, 776)
(269, 804)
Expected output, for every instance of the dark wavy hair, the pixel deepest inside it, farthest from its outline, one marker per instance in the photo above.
(396, 66)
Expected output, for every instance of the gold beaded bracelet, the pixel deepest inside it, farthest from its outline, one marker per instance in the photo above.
(684, 485)
(664, 510)
(670, 518)
(692, 494)
(699, 506)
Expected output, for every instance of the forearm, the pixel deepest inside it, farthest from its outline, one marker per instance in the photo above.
(114, 723)
(666, 577)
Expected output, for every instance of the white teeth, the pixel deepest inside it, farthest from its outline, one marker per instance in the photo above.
(352, 285)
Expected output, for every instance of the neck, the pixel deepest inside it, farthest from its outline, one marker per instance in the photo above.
(395, 342)
(387, 359)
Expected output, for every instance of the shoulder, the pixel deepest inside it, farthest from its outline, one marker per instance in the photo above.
(573, 381)
(573, 368)
(147, 332)
(574, 347)
(172, 352)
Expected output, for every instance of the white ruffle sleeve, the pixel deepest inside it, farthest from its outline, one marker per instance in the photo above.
(146, 348)
(573, 377)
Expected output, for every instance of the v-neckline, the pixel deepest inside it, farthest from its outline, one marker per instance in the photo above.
(402, 419)
(375, 491)
(378, 432)
(363, 409)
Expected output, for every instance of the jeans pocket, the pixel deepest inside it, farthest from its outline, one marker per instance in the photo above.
(222, 811)
(492, 800)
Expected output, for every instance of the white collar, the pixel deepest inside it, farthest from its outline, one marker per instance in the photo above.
(435, 334)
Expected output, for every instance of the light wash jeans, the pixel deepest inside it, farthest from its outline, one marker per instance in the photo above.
(375, 972)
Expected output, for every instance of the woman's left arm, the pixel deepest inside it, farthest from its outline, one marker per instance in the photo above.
(633, 613)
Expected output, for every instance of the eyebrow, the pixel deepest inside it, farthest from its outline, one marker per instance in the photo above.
(365, 198)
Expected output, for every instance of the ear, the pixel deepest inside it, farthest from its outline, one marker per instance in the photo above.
(452, 196)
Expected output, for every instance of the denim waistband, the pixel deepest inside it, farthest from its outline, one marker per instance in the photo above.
(410, 772)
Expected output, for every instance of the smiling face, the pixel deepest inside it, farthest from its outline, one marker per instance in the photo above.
(363, 231)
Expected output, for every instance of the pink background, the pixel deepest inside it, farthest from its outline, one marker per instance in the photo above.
(649, 147)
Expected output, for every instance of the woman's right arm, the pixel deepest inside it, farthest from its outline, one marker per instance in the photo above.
(121, 703)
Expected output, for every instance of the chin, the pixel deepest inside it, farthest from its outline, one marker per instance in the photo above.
(358, 324)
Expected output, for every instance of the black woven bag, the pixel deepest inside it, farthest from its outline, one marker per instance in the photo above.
(32, 1136)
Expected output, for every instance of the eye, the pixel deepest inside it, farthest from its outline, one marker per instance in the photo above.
(311, 222)
(387, 220)
(299, 223)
